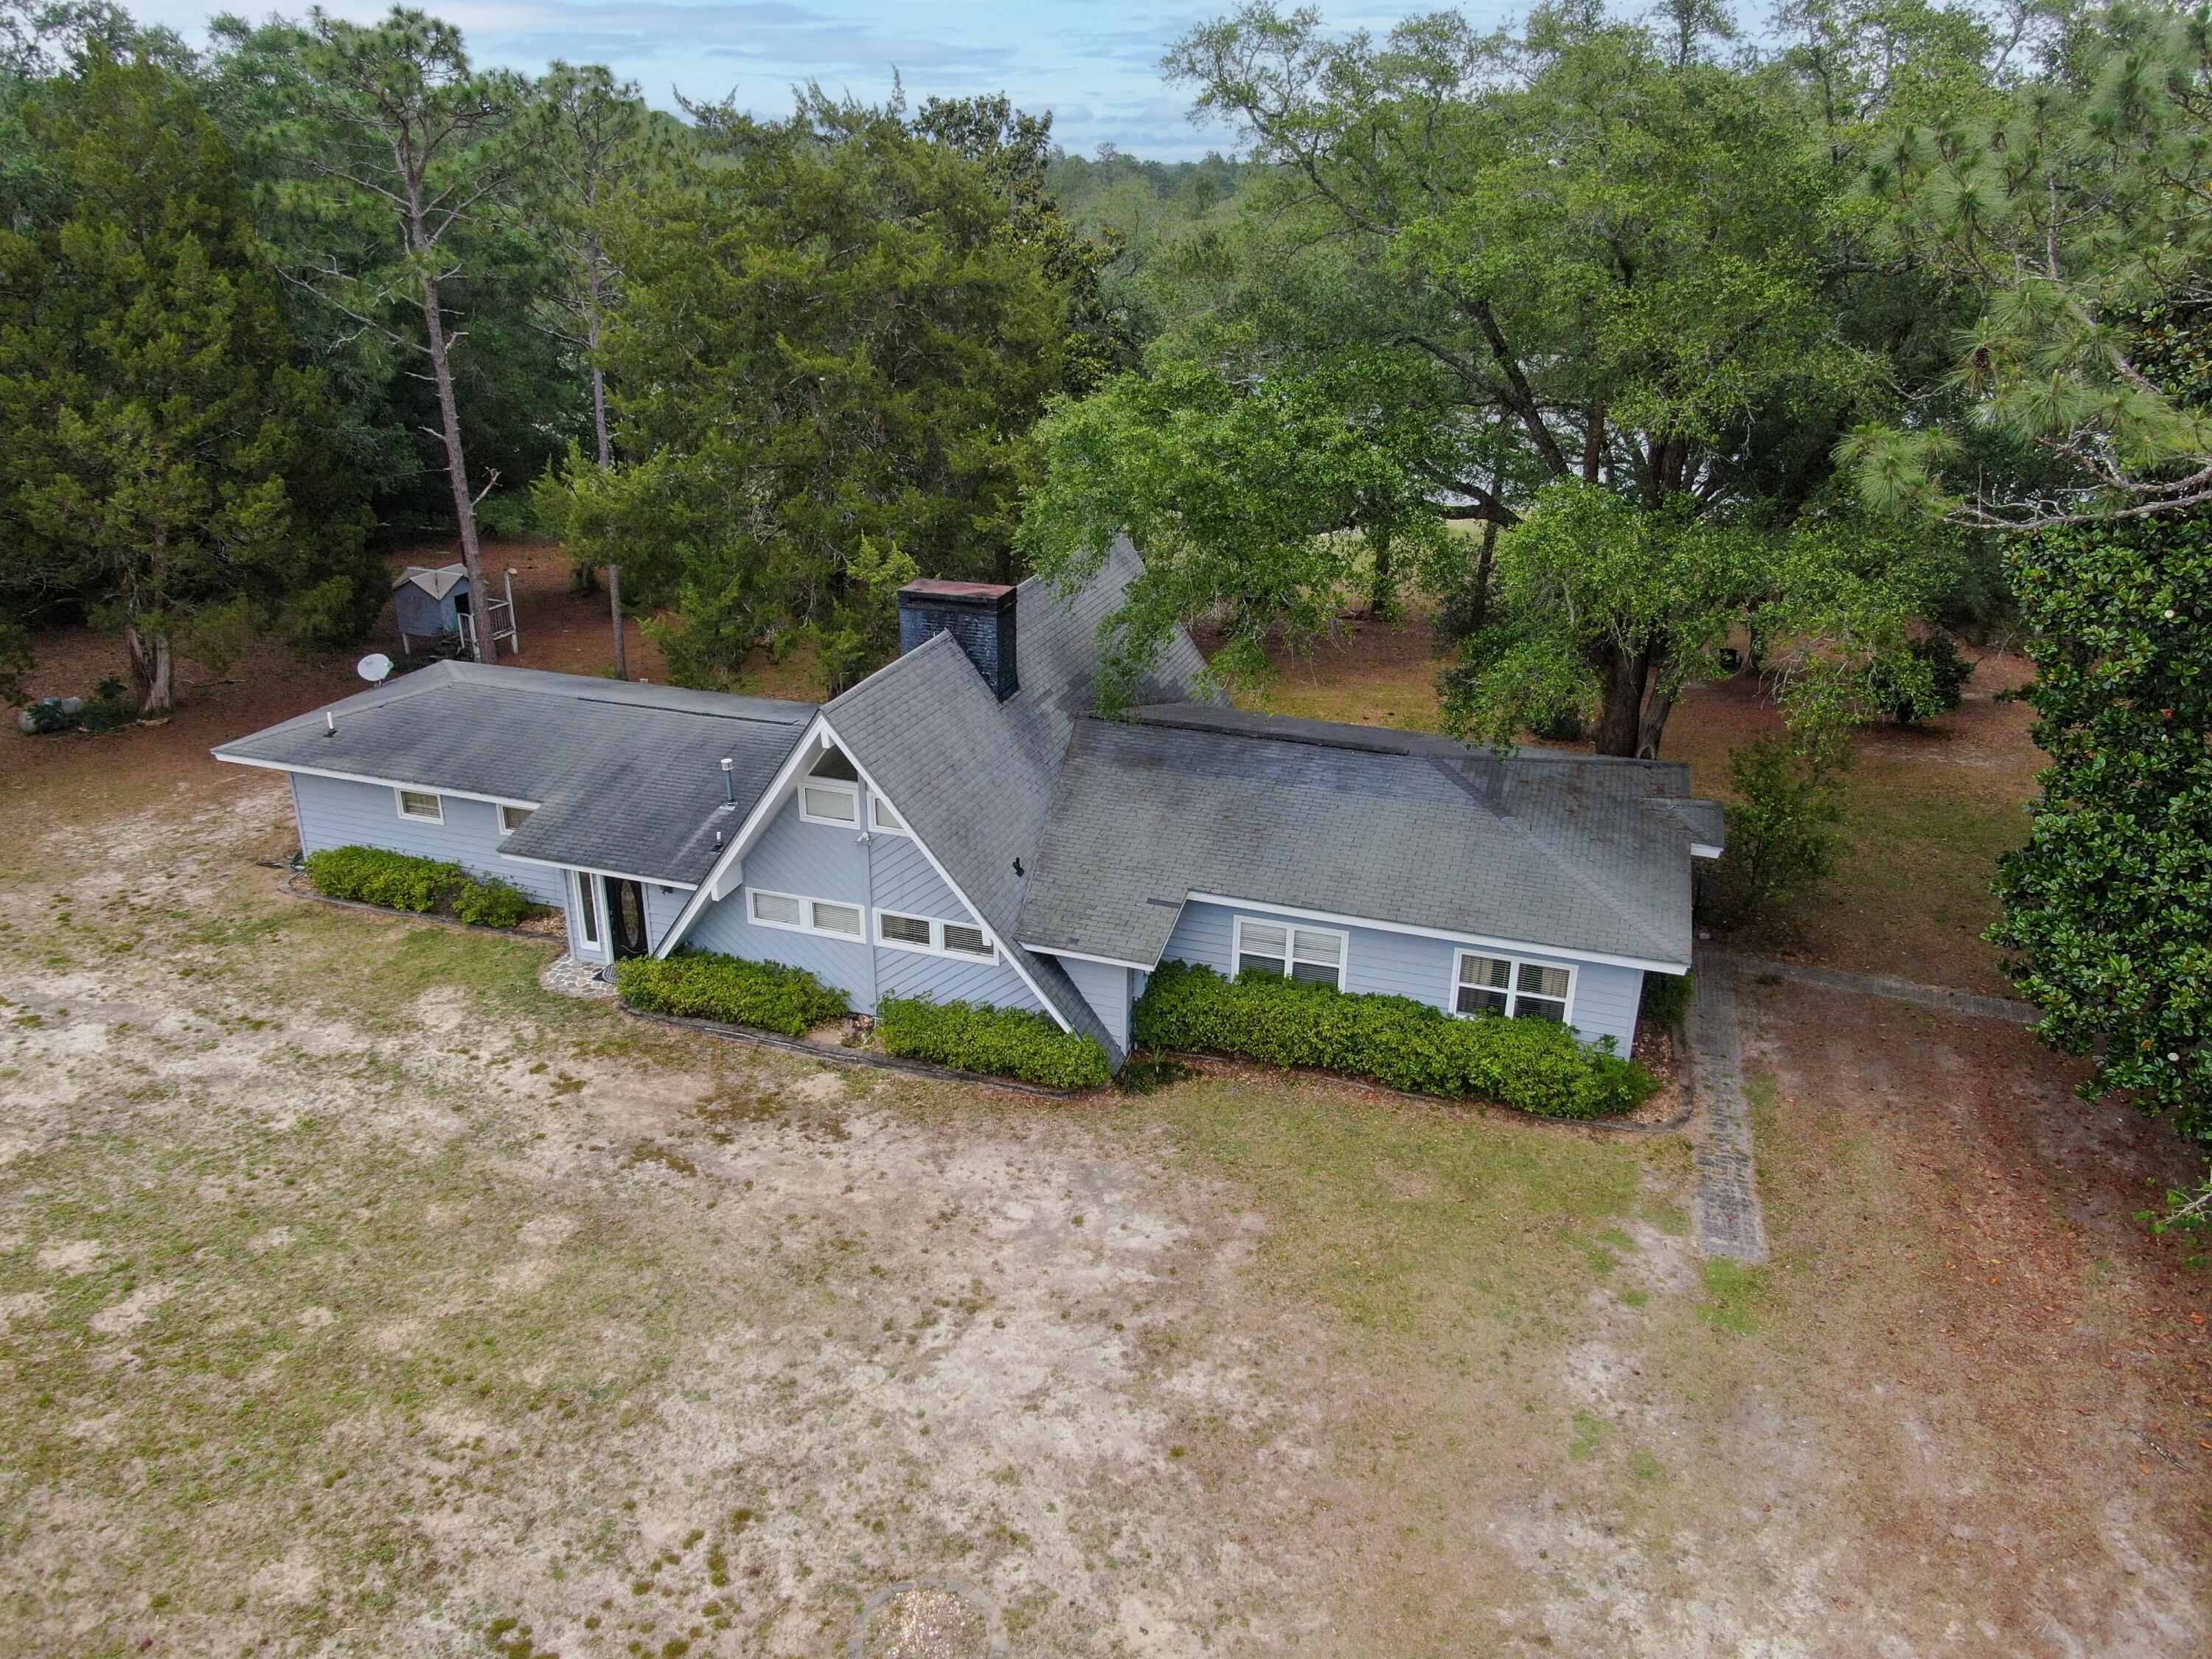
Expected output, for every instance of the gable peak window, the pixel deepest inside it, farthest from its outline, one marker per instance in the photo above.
(1315, 955)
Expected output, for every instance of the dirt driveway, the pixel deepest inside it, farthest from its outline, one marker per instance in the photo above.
(357, 1297)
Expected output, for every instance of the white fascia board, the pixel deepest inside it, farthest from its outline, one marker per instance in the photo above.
(1080, 956)
(734, 849)
(1699, 849)
(381, 783)
(593, 870)
(1522, 946)
(945, 876)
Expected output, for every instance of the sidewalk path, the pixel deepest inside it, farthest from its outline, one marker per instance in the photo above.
(1881, 985)
(1727, 1213)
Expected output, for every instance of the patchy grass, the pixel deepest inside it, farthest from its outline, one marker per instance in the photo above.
(357, 1296)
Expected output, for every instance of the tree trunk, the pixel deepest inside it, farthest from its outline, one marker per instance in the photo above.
(152, 671)
(614, 604)
(592, 344)
(1594, 443)
(1620, 710)
(1653, 727)
(464, 507)
(1382, 575)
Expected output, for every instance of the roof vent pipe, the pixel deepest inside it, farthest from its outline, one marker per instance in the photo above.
(330, 723)
(729, 782)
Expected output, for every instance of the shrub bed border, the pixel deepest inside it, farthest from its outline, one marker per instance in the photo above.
(866, 1058)
(291, 886)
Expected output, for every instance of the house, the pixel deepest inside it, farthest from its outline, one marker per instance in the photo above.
(961, 824)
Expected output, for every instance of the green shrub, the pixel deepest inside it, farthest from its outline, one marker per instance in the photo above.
(1003, 1042)
(397, 881)
(400, 881)
(1534, 1066)
(1781, 826)
(1667, 998)
(1928, 680)
(492, 903)
(702, 985)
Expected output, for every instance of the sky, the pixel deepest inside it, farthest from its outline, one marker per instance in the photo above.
(1094, 64)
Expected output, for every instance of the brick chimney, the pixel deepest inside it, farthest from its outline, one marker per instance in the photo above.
(979, 615)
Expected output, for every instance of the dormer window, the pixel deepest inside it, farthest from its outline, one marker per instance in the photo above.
(831, 792)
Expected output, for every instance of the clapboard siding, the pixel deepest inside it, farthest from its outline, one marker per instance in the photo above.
(662, 906)
(1106, 988)
(888, 873)
(334, 812)
(1410, 965)
(948, 979)
(903, 882)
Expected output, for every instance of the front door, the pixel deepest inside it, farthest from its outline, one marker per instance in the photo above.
(625, 916)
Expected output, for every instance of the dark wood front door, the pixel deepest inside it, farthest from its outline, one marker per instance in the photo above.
(625, 917)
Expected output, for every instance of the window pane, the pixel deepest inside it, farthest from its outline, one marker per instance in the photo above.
(884, 818)
(968, 941)
(1260, 939)
(837, 918)
(1472, 1000)
(1539, 1008)
(833, 764)
(903, 930)
(830, 803)
(1491, 972)
(1543, 981)
(1314, 973)
(1260, 965)
(417, 805)
(1328, 948)
(514, 817)
(587, 913)
(776, 907)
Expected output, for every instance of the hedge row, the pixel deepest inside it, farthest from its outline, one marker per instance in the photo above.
(400, 881)
(1534, 1066)
(702, 985)
(1003, 1042)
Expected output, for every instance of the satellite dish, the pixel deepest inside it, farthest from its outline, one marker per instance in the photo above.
(376, 668)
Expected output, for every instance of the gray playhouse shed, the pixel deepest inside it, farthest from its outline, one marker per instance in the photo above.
(430, 602)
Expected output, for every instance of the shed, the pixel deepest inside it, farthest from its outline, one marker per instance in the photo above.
(430, 602)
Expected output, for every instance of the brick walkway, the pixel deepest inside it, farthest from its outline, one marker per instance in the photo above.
(1728, 1222)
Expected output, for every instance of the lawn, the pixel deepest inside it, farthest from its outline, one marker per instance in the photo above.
(359, 1297)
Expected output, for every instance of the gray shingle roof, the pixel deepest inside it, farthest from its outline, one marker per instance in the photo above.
(1541, 848)
(973, 776)
(628, 776)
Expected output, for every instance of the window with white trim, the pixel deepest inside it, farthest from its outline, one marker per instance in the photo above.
(964, 941)
(1507, 985)
(953, 939)
(421, 804)
(829, 802)
(1317, 955)
(914, 932)
(512, 818)
(587, 912)
(805, 915)
(776, 909)
(881, 817)
(832, 918)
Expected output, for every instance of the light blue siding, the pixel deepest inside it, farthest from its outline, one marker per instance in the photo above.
(1410, 965)
(662, 906)
(1106, 988)
(334, 812)
(889, 873)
